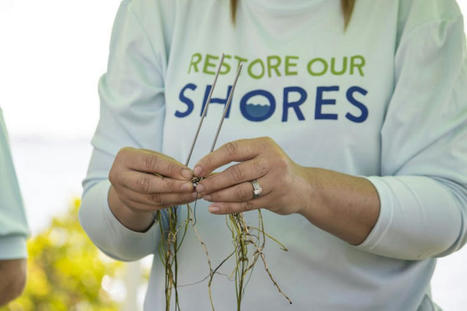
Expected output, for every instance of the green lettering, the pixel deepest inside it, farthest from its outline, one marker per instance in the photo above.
(208, 64)
(195, 59)
(274, 66)
(333, 66)
(357, 61)
(240, 60)
(289, 64)
(250, 69)
(225, 69)
(317, 73)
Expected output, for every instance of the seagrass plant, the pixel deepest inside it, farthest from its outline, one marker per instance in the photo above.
(248, 241)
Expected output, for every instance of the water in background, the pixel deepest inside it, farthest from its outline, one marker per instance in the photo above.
(50, 172)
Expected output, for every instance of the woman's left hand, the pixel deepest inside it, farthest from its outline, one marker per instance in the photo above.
(285, 188)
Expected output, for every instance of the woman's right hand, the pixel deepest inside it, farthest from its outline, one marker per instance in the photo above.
(144, 181)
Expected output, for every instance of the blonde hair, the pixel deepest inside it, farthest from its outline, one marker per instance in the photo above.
(347, 9)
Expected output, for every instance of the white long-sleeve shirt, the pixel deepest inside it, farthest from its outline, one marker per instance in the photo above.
(387, 99)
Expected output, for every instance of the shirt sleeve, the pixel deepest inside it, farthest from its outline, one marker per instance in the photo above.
(13, 224)
(131, 114)
(423, 191)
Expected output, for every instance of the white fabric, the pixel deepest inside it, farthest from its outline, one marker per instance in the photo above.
(397, 114)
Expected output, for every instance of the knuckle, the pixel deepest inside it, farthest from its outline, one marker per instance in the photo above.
(287, 181)
(169, 185)
(236, 173)
(122, 196)
(242, 193)
(157, 199)
(282, 163)
(229, 209)
(216, 196)
(117, 167)
(150, 163)
(231, 148)
(123, 154)
(206, 185)
(266, 140)
(262, 166)
(249, 206)
(171, 169)
(144, 184)
(123, 151)
(113, 176)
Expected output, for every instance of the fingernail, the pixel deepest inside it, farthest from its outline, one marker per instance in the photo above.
(207, 197)
(186, 173)
(200, 188)
(187, 186)
(214, 209)
(197, 170)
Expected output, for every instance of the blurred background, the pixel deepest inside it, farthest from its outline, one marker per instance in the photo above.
(52, 53)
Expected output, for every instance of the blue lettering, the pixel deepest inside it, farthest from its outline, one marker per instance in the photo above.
(256, 112)
(287, 104)
(364, 110)
(320, 101)
(188, 102)
(259, 105)
(222, 101)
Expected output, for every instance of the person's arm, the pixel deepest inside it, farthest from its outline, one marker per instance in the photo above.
(13, 225)
(131, 115)
(343, 205)
(423, 190)
(418, 207)
(12, 279)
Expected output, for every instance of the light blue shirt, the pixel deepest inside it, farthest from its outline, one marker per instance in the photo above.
(13, 224)
(387, 99)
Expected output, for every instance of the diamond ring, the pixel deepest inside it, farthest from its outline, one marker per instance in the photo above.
(256, 188)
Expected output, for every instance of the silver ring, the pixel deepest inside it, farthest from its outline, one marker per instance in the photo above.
(256, 188)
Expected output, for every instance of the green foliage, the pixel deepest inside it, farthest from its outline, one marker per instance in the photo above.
(65, 270)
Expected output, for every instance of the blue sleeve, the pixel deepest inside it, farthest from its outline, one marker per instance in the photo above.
(423, 191)
(13, 224)
(131, 114)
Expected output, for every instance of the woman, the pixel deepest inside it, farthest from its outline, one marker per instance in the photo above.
(356, 135)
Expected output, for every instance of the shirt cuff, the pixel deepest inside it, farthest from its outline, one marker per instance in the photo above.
(106, 231)
(418, 219)
(13, 247)
(385, 215)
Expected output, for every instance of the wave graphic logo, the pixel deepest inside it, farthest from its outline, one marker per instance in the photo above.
(259, 109)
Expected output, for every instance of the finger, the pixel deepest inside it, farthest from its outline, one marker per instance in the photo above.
(239, 150)
(236, 174)
(156, 199)
(239, 193)
(223, 208)
(149, 183)
(153, 162)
